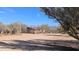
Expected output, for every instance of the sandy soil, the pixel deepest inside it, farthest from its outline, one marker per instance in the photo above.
(36, 36)
(34, 41)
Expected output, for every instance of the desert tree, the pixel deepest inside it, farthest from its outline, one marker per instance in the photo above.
(15, 27)
(60, 29)
(2, 27)
(54, 29)
(44, 28)
(23, 28)
(68, 17)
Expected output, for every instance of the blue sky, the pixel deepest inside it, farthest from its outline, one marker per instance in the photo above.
(27, 15)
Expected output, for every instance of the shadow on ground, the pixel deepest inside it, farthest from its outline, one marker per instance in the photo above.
(39, 44)
(57, 35)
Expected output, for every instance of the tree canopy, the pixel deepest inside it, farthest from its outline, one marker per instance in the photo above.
(68, 17)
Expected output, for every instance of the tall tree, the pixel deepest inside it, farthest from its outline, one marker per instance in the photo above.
(68, 17)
